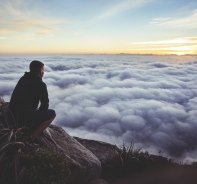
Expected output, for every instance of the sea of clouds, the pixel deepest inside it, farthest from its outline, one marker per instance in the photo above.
(147, 100)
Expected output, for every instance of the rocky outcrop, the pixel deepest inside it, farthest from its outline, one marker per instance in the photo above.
(105, 152)
(108, 154)
(84, 156)
(85, 166)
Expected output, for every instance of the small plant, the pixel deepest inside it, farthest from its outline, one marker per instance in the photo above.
(135, 160)
(194, 164)
(45, 167)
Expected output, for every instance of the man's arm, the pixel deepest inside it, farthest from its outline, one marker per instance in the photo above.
(44, 97)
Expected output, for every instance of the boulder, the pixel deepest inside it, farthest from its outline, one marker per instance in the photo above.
(105, 152)
(85, 166)
(108, 154)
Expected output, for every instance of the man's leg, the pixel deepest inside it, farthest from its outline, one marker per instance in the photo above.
(41, 128)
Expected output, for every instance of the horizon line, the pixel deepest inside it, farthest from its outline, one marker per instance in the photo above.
(148, 54)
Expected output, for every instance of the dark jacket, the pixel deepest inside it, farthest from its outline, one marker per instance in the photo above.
(29, 91)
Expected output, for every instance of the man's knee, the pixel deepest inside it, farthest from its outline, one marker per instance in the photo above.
(53, 114)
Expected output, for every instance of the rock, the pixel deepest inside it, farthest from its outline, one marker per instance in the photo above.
(105, 152)
(108, 154)
(85, 166)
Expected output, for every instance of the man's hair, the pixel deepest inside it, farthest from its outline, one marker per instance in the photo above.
(35, 66)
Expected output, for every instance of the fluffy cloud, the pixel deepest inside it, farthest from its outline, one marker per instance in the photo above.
(150, 100)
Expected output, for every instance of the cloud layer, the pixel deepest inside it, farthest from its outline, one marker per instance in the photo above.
(148, 100)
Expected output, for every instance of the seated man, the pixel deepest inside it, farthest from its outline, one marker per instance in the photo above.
(29, 91)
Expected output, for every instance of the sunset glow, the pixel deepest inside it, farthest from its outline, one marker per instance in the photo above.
(111, 27)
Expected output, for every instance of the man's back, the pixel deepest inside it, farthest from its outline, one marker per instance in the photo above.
(26, 96)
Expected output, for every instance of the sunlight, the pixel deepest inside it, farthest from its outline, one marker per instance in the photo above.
(179, 53)
(183, 50)
(178, 46)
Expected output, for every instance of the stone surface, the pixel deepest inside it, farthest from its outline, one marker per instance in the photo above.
(85, 166)
(108, 154)
(105, 152)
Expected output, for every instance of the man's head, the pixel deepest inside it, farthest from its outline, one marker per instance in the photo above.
(37, 67)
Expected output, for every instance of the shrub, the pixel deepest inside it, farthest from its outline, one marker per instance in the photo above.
(136, 160)
(45, 167)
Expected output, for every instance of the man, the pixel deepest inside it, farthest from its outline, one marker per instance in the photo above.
(28, 93)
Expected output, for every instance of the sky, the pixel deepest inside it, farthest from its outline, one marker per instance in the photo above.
(102, 26)
(147, 100)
